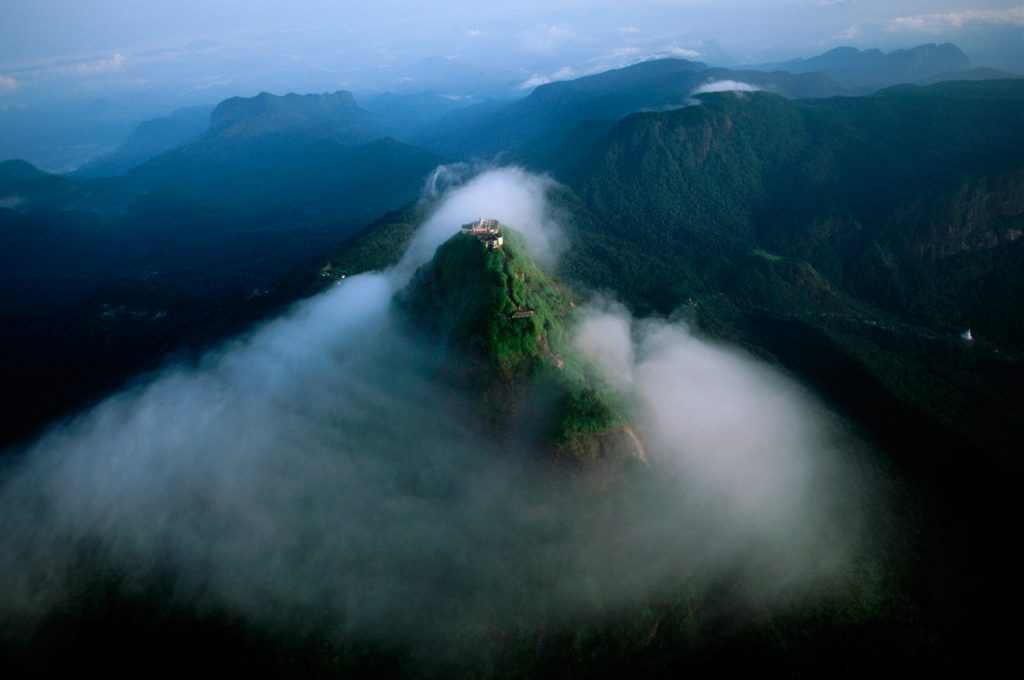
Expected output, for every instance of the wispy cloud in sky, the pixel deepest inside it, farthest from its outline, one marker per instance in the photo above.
(90, 67)
(53, 48)
(851, 33)
(682, 52)
(545, 39)
(536, 80)
(726, 86)
(944, 21)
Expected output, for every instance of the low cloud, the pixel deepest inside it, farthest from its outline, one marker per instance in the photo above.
(682, 52)
(620, 52)
(516, 197)
(741, 443)
(536, 80)
(91, 68)
(8, 84)
(850, 33)
(940, 22)
(320, 472)
(725, 86)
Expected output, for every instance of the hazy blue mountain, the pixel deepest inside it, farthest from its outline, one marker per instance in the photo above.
(555, 109)
(307, 151)
(64, 135)
(16, 171)
(308, 117)
(406, 114)
(131, 267)
(150, 138)
(22, 186)
(856, 68)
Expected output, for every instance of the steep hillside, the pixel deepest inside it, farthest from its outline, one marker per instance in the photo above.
(850, 241)
(150, 138)
(102, 277)
(884, 226)
(874, 192)
(891, 222)
(502, 322)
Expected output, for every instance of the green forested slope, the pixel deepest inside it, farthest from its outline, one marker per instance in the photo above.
(504, 324)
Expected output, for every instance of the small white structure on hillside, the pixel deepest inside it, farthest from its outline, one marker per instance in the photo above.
(481, 227)
(487, 231)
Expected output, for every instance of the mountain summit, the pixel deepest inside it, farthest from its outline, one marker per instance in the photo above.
(502, 324)
(312, 116)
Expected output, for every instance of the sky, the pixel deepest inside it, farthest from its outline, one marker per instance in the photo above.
(192, 51)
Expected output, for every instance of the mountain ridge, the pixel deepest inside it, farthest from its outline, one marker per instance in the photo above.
(502, 323)
(333, 115)
(855, 68)
(552, 110)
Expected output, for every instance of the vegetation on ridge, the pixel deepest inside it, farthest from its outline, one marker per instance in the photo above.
(497, 311)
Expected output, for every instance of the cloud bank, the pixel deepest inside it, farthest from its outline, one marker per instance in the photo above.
(939, 22)
(319, 472)
(536, 80)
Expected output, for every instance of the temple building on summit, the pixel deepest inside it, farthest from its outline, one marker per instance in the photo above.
(487, 231)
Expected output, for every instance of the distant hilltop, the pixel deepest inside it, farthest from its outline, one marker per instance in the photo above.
(503, 323)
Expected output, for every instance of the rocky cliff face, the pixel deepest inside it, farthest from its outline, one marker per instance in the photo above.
(984, 212)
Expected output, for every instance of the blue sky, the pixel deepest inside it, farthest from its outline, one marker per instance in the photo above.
(206, 49)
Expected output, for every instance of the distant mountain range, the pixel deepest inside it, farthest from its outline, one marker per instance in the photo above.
(150, 138)
(307, 117)
(855, 68)
(908, 204)
(555, 108)
(457, 127)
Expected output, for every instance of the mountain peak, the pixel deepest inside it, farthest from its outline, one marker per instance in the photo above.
(502, 321)
(485, 295)
(334, 115)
